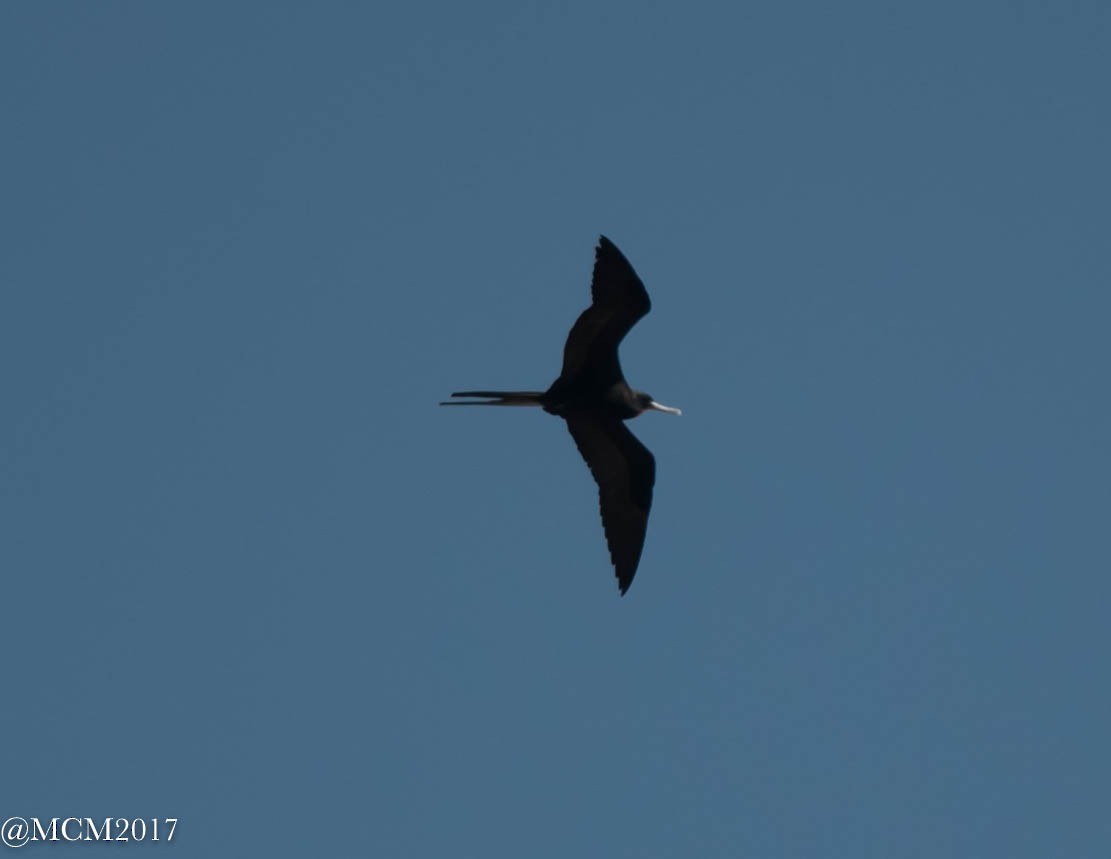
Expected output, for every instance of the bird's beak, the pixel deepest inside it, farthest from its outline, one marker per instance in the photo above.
(661, 408)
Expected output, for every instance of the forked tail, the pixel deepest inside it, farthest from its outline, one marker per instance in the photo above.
(500, 398)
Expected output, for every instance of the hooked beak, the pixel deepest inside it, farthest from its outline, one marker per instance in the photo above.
(654, 406)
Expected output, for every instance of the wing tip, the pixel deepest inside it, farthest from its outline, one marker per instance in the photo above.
(606, 246)
(625, 573)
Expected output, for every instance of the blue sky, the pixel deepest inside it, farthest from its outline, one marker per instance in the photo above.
(255, 579)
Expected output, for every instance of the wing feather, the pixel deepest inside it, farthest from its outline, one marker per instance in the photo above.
(625, 472)
(619, 301)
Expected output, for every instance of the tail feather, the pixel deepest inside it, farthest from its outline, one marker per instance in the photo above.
(500, 398)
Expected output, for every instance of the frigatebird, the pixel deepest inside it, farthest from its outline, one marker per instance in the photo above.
(592, 396)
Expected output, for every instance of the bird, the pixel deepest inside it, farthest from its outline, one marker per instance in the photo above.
(593, 398)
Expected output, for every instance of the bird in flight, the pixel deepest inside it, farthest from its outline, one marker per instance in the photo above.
(592, 396)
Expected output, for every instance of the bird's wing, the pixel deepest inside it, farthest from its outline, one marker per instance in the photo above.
(625, 472)
(619, 300)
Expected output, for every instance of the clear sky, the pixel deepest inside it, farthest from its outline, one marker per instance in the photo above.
(254, 578)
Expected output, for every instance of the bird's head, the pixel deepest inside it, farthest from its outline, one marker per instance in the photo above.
(646, 403)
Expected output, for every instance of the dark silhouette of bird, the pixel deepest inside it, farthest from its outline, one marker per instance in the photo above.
(592, 396)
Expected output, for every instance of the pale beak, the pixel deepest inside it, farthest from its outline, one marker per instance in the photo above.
(661, 408)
